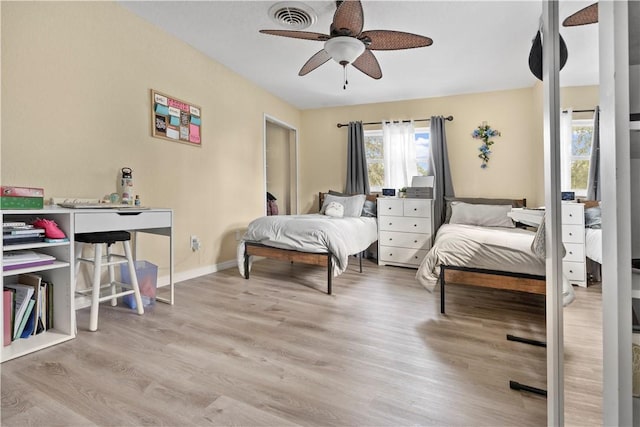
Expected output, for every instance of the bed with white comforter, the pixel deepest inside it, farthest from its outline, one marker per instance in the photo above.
(485, 248)
(312, 233)
(489, 248)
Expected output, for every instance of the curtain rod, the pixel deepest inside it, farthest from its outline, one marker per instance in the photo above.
(580, 111)
(449, 118)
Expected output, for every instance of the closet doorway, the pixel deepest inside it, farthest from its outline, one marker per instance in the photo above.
(281, 165)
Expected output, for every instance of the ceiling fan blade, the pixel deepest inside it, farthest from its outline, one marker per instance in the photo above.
(314, 62)
(368, 64)
(392, 40)
(588, 15)
(348, 19)
(306, 35)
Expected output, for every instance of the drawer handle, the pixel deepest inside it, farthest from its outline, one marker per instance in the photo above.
(389, 208)
(415, 241)
(570, 234)
(416, 257)
(415, 225)
(390, 254)
(415, 209)
(570, 215)
(129, 213)
(570, 271)
(390, 239)
(570, 253)
(390, 223)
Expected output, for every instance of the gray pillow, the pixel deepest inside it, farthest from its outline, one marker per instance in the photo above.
(370, 207)
(352, 204)
(480, 201)
(593, 217)
(482, 215)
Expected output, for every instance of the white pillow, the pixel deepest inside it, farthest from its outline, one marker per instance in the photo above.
(352, 204)
(482, 215)
(334, 209)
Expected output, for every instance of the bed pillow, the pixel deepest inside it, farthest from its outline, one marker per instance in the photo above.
(352, 204)
(482, 215)
(479, 201)
(369, 209)
(334, 209)
(593, 217)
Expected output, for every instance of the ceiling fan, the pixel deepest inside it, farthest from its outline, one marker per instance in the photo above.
(587, 15)
(347, 44)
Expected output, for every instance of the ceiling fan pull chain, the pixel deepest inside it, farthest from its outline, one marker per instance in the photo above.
(346, 82)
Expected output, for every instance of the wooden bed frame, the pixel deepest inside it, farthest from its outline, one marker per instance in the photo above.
(323, 259)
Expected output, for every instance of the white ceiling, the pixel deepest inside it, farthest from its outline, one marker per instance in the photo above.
(478, 46)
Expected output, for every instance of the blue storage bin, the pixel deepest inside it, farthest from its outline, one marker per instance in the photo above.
(147, 274)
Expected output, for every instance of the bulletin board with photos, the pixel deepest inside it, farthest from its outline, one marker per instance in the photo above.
(175, 120)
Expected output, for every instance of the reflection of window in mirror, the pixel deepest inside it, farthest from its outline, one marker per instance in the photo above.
(575, 136)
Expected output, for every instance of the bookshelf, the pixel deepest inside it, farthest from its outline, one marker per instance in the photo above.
(60, 273)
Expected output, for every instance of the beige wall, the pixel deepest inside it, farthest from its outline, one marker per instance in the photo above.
(76, 78)
(512, 169)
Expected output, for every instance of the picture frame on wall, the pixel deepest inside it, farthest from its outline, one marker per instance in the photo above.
(175, 120)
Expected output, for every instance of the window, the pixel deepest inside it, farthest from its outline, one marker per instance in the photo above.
(375, 155)
(577, 156)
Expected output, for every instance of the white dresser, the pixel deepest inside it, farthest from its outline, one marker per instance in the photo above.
(574, 263)
(405, 229)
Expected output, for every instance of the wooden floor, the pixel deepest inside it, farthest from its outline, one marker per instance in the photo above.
(276, 351)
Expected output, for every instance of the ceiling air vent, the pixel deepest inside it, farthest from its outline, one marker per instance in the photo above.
(292, 15)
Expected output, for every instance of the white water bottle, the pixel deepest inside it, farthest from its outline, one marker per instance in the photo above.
(126, 186)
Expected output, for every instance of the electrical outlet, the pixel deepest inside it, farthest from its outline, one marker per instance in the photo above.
(195, 243)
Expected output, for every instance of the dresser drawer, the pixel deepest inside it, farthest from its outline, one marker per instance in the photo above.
(572, 233)
(417, 208)
(401, 255)
(405, 240)
(572, 213)
(575, 252)
(574, 270)
(390, 207)
(404, 224)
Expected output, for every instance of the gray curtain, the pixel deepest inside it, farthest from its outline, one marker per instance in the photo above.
(593, 183)
(443, 185)
(357, 176)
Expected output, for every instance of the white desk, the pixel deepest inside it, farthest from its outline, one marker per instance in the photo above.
(153, 221)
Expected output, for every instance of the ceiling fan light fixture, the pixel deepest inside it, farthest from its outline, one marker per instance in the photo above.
(343, 49)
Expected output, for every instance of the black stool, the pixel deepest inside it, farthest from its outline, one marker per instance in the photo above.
(107, 238)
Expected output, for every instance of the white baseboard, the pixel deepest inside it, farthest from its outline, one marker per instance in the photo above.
(197, 272)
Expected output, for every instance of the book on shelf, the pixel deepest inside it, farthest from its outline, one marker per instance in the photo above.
(18, 202)
(13, 260)
(24, 320)
(53, 240)
(10, 224)
(13, 231)
(8, 308)
(35, 282)
(29, 320)
(22, 239)
(49, 305)
(23, 294)
(12, 190)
